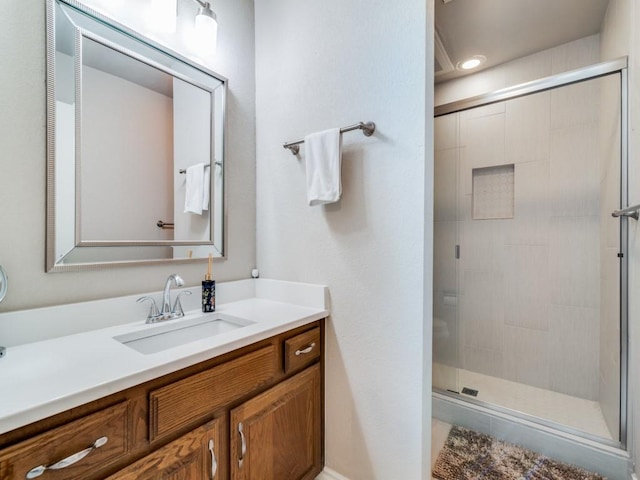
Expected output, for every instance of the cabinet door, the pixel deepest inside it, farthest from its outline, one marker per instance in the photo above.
(193, 456)
(277, 435)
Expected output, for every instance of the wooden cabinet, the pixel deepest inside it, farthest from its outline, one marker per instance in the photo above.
(194, 397)
(70, 451)
(192, 456)
(186, 425)
(276, 435)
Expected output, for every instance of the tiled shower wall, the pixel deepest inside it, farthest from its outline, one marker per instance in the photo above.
(525, 291)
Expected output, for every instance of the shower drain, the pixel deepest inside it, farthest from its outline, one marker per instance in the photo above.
(470, 391)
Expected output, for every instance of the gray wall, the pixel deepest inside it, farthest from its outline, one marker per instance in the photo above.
(330, 64)
(23, 163)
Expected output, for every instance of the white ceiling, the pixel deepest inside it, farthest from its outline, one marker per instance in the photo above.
(503, 30)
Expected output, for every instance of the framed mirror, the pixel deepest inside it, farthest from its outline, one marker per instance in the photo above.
(135, 147)
(3, 283)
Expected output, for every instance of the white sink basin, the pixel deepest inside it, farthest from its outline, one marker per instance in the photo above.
(179, 332)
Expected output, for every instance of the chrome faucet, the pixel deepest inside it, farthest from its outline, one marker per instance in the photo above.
(166, 296)
(168, 312)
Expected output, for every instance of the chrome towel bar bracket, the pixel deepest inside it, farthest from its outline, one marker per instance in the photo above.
(165, 225)
(367, 128)
(632, 211)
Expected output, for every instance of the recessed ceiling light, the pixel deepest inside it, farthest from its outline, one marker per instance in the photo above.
(471, 63)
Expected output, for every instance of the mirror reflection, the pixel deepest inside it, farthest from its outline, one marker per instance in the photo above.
(135, 149)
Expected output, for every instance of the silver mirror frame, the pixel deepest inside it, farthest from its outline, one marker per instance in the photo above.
(4, 279)
(51, 261)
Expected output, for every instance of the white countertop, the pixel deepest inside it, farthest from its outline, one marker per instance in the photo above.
(46, 377)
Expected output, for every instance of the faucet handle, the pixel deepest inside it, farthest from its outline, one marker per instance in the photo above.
(153, 309)
(177, 306)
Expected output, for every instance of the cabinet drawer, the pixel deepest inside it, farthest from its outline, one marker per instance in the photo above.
(43, 455)
(301, 350)
(198, 396)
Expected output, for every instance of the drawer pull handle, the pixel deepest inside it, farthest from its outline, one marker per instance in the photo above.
(214, 463)
(305, 350)
(67, 462)
(243, 445)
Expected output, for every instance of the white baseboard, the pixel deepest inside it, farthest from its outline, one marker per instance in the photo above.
(328, 474)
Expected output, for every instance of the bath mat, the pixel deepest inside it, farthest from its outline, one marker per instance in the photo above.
(468, 455)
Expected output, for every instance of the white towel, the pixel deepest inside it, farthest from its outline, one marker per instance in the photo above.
(197, 190)
(323, 158)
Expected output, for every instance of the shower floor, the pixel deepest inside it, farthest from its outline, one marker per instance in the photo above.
(578, 413)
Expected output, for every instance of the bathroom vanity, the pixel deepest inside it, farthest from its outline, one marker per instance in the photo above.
(243, 404)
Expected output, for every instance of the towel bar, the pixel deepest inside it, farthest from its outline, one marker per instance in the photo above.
(367, 128)
(184, 170)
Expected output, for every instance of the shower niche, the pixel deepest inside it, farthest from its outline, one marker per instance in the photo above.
(493, 192)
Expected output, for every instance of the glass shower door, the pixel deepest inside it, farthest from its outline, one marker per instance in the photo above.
(528, 260)
(445, 292)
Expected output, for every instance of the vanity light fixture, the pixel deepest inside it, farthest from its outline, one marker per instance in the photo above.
(206, 27)
(471, 63)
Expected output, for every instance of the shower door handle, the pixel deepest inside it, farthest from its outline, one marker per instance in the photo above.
(632, 211)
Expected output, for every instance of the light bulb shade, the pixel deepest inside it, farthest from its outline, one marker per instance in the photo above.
(206, 29)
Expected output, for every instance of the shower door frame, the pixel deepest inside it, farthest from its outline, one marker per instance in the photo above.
(611, 67)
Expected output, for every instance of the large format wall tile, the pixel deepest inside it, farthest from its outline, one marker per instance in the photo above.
(609, 387)
(575, 104)
(446, 189)
(527, 128)
(477, 242)
(526, 356)
(530, 225)
(574, 344)
(574, 178)
(481, 310)
(482, 140)
(445, 132)
(444, 262)
(485, 361)
(576, 54)
(528, 68)
(527, 294)
(445, 330)
(574, 261)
